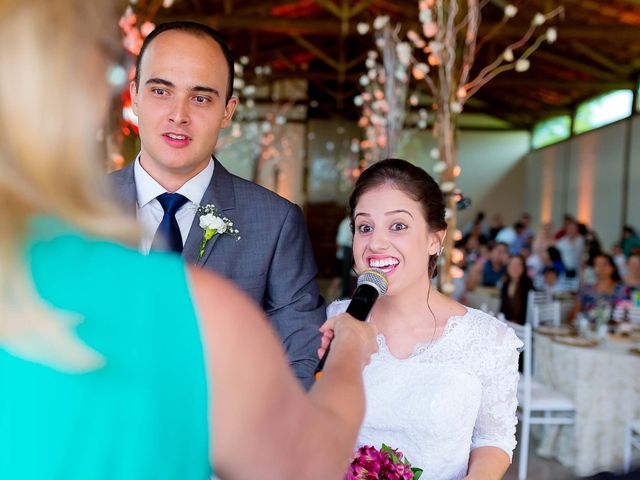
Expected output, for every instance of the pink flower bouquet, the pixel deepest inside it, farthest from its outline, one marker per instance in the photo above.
(369, 463)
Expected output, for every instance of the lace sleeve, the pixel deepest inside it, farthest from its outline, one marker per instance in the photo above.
(496, 422)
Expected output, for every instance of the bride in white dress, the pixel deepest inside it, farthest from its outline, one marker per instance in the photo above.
(442, 387)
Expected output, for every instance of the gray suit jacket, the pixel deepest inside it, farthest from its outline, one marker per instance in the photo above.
(272, 262)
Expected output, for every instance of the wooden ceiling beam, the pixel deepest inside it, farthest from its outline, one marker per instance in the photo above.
(563, 61)
(331, 7)
(356, 61)
(601, 59)
(582, 85)
(631, 2)
(525, 81)
(619, 33)
(307, 45)
(360, 7)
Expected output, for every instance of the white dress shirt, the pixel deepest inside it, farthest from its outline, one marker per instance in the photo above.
(150, 212)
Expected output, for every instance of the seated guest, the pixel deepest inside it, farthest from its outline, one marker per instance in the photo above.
(115, 365)
(607, 289)
(522, 239)
(472, 250)
(515, 290)
(543, 239)
(490, 271)
(496, 225)
(550, 260)
(630, 240)
(571, 247)
(632, 277)
(551, 282)
(554, 260)
(621, 261)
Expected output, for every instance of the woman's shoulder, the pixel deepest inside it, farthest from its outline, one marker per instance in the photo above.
(54, 245)
(490, 331)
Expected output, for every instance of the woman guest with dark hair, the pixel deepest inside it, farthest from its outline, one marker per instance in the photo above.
(442, 388)
(515, 290)
(607, 289)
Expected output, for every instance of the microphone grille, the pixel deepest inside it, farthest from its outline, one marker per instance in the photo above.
(376, 278)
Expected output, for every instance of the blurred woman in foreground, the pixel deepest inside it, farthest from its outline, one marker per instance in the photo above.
(119, 366)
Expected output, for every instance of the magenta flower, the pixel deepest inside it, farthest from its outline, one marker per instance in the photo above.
(369, 463)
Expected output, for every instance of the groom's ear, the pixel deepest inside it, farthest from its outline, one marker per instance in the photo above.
(229, 108)
(133, 91)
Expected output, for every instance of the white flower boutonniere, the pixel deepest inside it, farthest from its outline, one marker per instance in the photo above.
(212, 225)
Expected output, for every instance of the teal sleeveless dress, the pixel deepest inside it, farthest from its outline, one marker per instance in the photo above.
(141, 416)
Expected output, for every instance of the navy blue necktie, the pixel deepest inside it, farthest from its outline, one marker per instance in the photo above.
(169, 231)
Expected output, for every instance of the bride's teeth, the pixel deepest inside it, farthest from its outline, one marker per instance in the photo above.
(176, 137)
(383, 263)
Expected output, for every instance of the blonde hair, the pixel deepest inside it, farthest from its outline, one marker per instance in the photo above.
(52, 94)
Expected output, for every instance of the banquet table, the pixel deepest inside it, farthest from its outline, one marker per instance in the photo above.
(604, 383)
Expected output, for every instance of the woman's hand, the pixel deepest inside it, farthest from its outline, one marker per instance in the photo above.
(344, 326)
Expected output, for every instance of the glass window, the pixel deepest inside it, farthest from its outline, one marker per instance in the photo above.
(551, 130)
(602, 110)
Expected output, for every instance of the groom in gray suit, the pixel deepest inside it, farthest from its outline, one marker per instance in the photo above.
(182, 95)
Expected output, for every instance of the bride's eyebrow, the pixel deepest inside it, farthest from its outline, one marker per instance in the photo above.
(393, 212)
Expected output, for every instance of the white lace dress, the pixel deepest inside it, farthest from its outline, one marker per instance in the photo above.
(447, 398)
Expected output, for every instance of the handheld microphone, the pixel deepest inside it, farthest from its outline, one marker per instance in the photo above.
(372, 284)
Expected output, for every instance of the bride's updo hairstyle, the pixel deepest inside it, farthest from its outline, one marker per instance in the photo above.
(414, 182)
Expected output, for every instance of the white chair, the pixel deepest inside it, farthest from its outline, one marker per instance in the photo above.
(632, 440)
(538, 404)
(545, 314)
(535, 297)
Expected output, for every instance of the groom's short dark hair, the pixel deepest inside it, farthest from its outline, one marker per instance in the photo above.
(196, 29)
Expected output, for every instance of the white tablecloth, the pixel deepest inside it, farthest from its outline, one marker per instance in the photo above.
(604, 383)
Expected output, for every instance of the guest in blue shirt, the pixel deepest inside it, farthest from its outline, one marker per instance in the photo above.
(496, 266)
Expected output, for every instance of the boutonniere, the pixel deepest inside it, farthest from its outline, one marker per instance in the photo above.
(212, 224)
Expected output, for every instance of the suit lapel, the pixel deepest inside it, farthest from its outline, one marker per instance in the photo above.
(124, 185)
(220, 193)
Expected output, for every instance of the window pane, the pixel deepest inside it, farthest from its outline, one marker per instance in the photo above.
(551, 130)
(602, 110)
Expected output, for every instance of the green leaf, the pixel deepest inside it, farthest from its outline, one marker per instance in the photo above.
(392, 454)
(417, 473)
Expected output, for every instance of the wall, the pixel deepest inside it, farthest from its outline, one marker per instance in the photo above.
(492, 171)
(585, 176)
(282, 172)
(633, 179)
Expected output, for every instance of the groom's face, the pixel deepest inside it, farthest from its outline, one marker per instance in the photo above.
(181, 104)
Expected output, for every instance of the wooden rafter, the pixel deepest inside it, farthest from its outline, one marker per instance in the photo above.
(598, 44)
(563, 61)
(601, 59)
(332, 27)
(318, 52)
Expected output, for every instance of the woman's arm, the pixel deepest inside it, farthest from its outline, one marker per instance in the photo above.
(575, 310)
(474, 278)
(487, 463)
(262, 425)
(493, 439)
